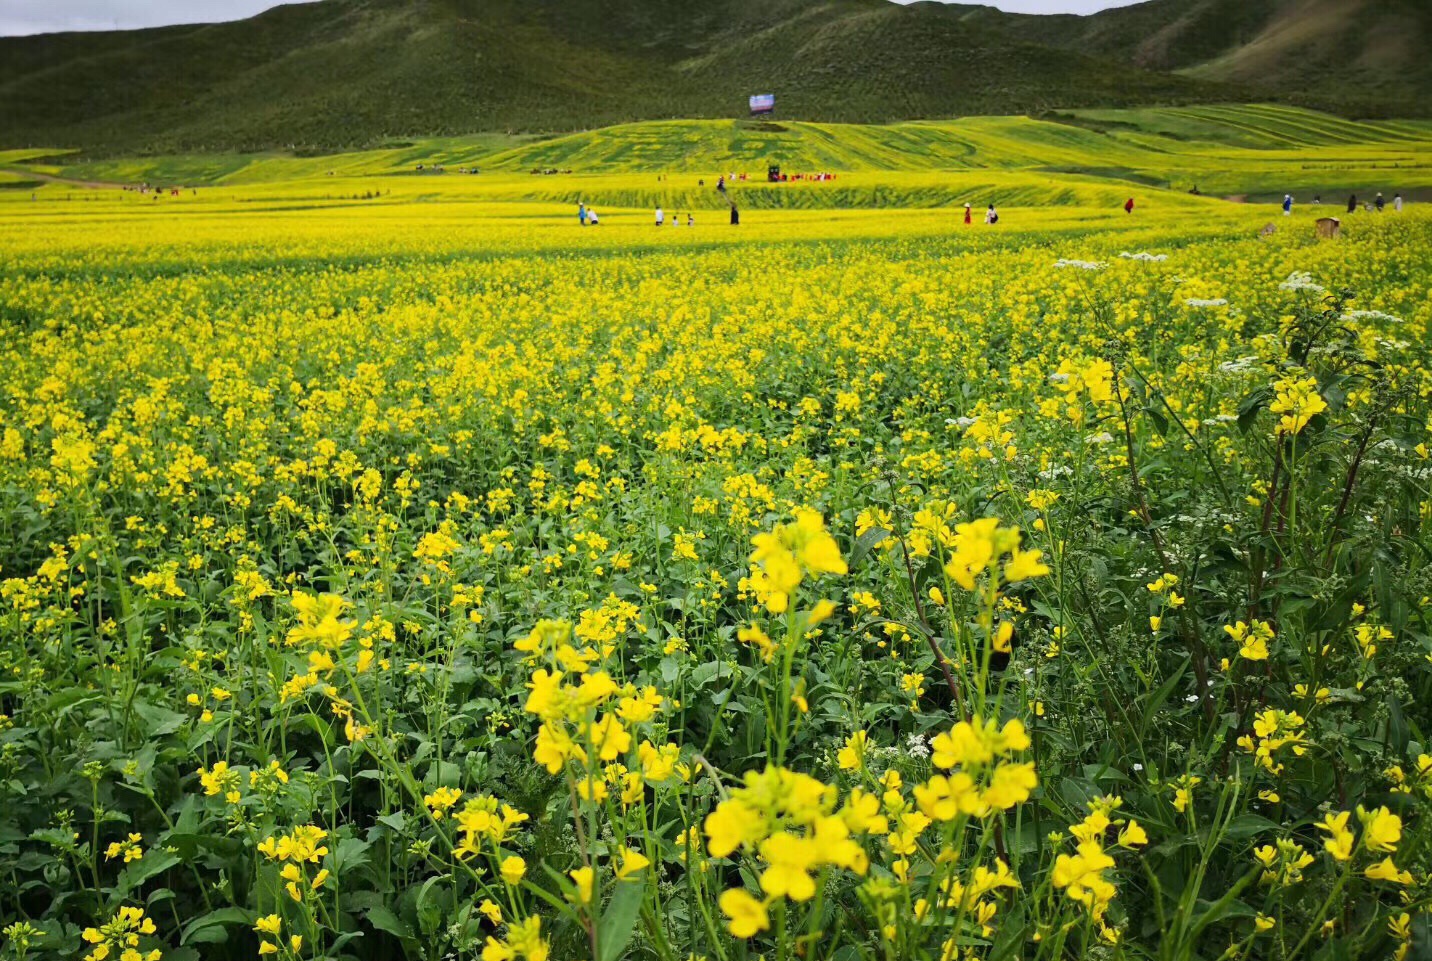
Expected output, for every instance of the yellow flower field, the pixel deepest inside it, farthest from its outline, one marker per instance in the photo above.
(436, 578)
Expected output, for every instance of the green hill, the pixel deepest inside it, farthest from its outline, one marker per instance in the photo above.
(360, 73)
(1253, 150)
(1364, 55)
(343, 73)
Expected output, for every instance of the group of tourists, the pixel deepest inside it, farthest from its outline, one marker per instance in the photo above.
(1376, 205)
(675, 220)
(586, 215)
(991, 215)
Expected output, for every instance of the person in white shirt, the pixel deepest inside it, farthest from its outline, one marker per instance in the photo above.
(660, 217)
(1397, 203)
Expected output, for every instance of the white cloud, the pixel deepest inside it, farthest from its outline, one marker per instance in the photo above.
(20, 17)
(1049, 6)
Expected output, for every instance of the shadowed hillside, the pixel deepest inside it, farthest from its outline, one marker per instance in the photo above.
(344, 73)
(1367, 55)
(357, 72)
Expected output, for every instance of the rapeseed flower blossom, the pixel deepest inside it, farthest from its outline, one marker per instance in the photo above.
(1298, 401)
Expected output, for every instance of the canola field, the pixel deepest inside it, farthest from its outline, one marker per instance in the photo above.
(433, 578)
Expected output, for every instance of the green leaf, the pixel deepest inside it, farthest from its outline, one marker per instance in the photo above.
(443, 774)
(864, 543)
(703, 674)
(1397, 732)
(1159, 698)
(159, 721)
(397, 821)
(189, 845)
(1248, 825)
(1160, 421)
(619, 919)
(211, 928)
(1251, 405)
(155, 862)
(430, 911)
(383, 918)
(349, 853)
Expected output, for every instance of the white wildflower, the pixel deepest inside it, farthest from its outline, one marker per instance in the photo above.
(1242, 365)
(1302, 280)
(1364, 315)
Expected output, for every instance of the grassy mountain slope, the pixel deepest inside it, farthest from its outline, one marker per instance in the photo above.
(1256, 150)
(355, 72)
(345, 73)
(1365, 54)
(1376, 48)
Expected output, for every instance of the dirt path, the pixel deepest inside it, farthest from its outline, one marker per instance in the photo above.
(51, 178)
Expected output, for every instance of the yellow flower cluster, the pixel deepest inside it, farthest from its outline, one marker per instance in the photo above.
(484, 818)
(1252, 639)
(1298, 402)
(119, 938)
(787, 554)
(790, 823)
(984, 780)
(1273, 730)
(1381, 832)
(270, 926)
(977, 547)
(304, 845)
(1081, 875)
(587, 718)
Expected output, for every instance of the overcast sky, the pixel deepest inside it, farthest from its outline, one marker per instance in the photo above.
(45, 16)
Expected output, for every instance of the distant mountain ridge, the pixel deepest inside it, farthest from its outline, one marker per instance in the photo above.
(1369, 53)
(343, 73)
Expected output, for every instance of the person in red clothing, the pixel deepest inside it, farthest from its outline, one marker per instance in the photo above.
(1129, 205)
(967, 214)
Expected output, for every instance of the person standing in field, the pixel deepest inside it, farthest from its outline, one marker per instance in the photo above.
(968, 212)
(1397, 203)
(1129, 205)
(1352, 204)
(1287, 205)
(1379, 202)
(660, 217)
(581, 213)
(991, 215)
